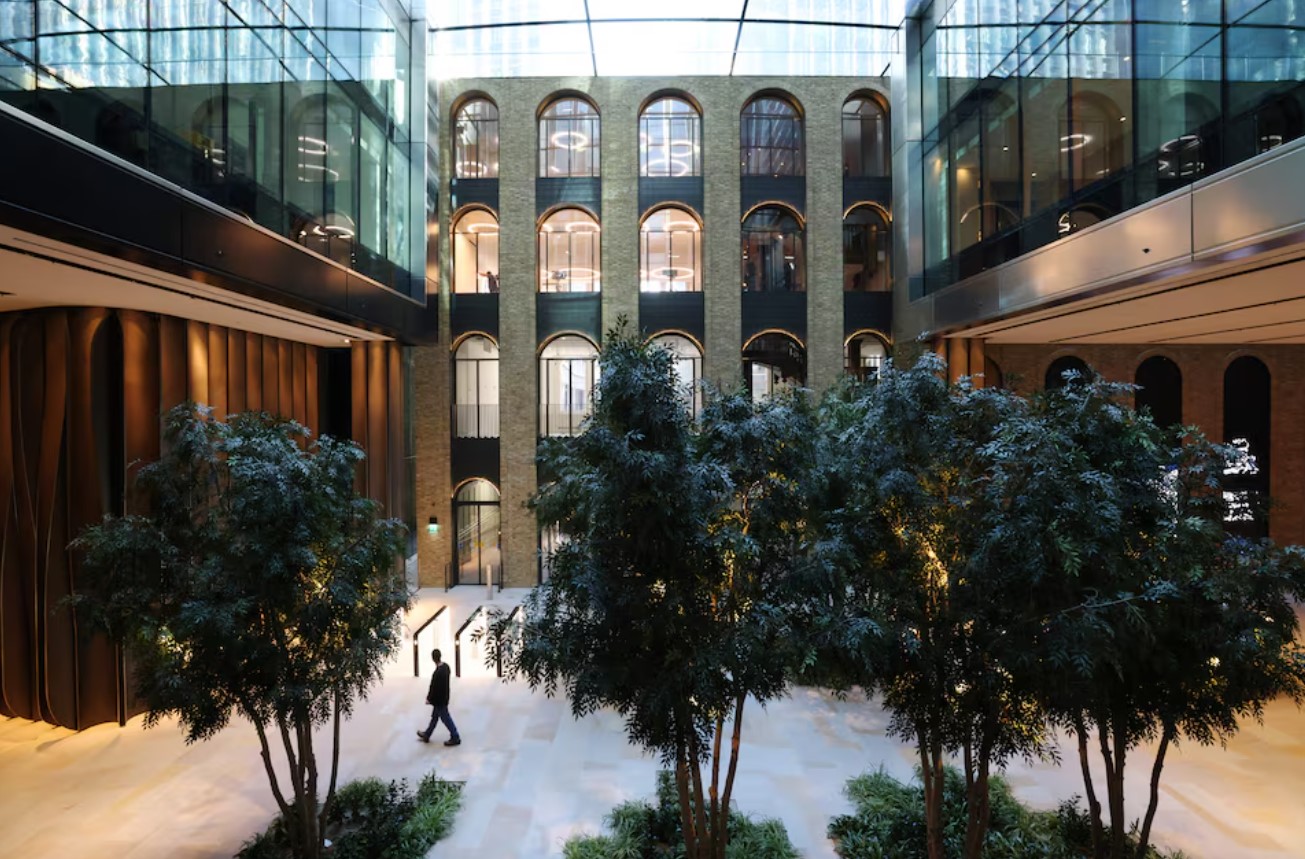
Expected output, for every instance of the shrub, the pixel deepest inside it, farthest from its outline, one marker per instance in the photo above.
(888, 823)
(374, 819)
(640, 830)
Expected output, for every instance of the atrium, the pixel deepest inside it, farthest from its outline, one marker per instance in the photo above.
(417, 224)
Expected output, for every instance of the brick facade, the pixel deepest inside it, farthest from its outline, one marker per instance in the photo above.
(619, 101)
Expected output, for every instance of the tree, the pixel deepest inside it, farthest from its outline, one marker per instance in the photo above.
(664, 603)
(260, 584)
(1151, 623)
(928, 609)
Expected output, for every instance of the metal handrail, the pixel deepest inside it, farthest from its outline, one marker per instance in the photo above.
(416, 654)
(457, 641)
(498, 648)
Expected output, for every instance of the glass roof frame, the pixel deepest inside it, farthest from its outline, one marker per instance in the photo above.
(534, 38)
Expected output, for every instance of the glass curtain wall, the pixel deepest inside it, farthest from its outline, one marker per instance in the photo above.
(1042, 118)
(293, 116)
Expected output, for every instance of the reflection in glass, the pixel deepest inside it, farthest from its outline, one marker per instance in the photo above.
(687, 359)
(475, 388)
(771, 362)
(866, 247)
(670, 139)
(475, 140)
(568, 369)
(774, 255)
(475, 252)
(476, 544)
(770, 138)
(670, 252)
(570, 252)
(866, 150)
(569, 139)
(864, 355)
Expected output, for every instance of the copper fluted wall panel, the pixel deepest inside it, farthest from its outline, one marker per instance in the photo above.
(172, 352)
(271, 376)
(377, 416)
(236, 371)
(253, 372)
(217, 371)
(93, 419)
(394, 425)
(197, 360)
(358, 406)
(81, 394)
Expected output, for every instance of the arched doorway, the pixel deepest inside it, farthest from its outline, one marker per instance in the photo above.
(477, 558)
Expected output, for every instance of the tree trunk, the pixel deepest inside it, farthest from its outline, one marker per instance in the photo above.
(1112, 736)
(335, 764)
(1094, 806)
(977, 809)
(686, 813)
(932, 776)
(1144, 838)
(714, 820)
(729, 775)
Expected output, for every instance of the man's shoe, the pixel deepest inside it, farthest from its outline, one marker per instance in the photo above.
(423, 737)
(453, 741)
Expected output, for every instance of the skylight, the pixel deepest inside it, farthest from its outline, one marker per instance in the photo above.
(525, 38)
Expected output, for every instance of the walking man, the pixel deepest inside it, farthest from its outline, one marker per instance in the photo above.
(438, 699)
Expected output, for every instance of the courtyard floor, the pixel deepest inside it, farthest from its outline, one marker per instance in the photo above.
(535, 776)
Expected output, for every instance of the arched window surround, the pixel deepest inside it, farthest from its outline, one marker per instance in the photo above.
(670, 143)
(475, 387)
(772, 135)
(764, 378)
(673, 262)
(475, 138)
(570, 137)
(864, 158)
(1053, 379)
(862, 366)
(569, 260)
(688, 367)
(479, 274)
(876, 250)
(477, 535)
(773, 260)
(566, 383)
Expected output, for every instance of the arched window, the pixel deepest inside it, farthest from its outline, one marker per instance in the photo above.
(992, 374)
(774, 253)
(475, 140)
(475, 252)
(1160, 390)
(1247, 412)
(570, 252)
(670, 252)
(688, 368)
(1055, 377)
(771, 361)
(864, 355)
(476, 547)
(866, 251)
(865, 138)
(770, 137)
(670, 139)
(475, 388)
(569, 139)
(568, 369)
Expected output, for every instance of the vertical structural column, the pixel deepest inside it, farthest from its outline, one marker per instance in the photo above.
(824, 236)
(976, 363)
(958, 358)
(722, 278)
(518, 364)
(620, 223)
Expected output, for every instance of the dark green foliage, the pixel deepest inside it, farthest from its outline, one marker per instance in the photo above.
(640, 830)
(260, 584)
(373, 819)
(672, 600)
(888, 823)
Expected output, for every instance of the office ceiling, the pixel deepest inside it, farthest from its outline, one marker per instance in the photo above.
(532, 38)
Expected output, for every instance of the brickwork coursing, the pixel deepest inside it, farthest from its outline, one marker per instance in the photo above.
(619, 101)
(1024, 368)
